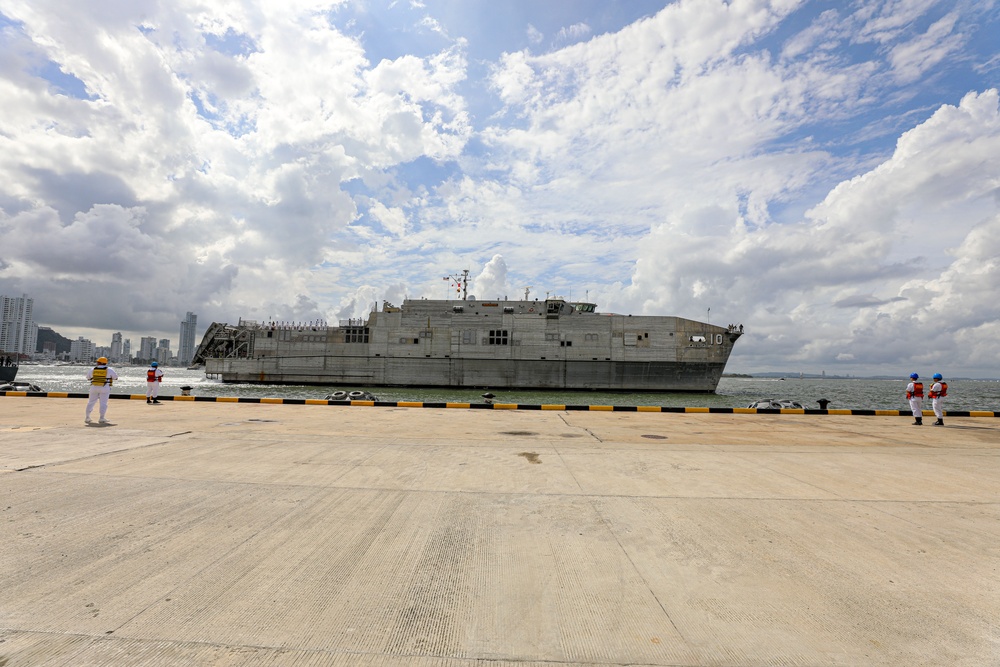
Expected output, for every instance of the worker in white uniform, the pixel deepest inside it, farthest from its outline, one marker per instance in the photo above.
(915, 395)
(937, 393)
(101, 378)
(154, 376)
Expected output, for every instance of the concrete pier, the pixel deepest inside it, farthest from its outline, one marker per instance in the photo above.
(262, 534)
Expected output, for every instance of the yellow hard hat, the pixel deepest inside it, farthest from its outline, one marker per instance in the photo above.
(102, 360)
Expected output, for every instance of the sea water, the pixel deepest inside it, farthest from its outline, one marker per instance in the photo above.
(733, 392)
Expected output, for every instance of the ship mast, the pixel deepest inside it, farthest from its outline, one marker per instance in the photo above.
(461, 281)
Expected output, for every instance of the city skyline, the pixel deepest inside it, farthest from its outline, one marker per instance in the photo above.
(19, 333)
(823, 173)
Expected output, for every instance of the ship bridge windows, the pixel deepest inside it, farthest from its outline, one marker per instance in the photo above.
(554, 307)
(355, 334)
(498, 337)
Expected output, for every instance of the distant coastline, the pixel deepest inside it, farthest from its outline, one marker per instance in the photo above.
(818, 376)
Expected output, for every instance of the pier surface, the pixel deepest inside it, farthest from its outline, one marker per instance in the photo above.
(240, 534)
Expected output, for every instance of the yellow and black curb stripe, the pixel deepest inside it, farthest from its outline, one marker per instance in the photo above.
(509, 406)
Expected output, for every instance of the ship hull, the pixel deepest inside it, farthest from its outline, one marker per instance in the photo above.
(549, 344)
(472, 373)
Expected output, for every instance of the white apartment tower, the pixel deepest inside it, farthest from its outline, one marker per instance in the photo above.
(147, 348)
(116, 346)
(162, 354)
(185, 348)
(82, 349)
(18, 335)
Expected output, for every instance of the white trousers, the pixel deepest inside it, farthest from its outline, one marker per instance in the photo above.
(98, 394)
(938, 405)
(915, 404)
(152, 389)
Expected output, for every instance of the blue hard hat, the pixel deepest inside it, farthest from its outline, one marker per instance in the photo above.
(154, 364)
(938, 376)
(914, 376)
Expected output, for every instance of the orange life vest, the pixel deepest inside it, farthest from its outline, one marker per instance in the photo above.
(151, 376)
(942, 393)
(918, 390)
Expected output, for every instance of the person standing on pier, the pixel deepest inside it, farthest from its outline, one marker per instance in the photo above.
(154, 376)
(101, 378)
(915, 395)
(937, 393)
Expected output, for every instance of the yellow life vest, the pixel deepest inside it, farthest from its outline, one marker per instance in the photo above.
(99, 377)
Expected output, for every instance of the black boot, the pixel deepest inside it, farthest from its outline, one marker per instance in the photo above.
(149, 400)
(918, 421)
(939, 422)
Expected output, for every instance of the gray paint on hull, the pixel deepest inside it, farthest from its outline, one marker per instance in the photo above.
(506, 374)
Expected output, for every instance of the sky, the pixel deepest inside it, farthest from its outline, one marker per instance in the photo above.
(826, 173)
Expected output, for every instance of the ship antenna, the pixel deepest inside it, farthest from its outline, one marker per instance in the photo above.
(462, 281)
(526, 291)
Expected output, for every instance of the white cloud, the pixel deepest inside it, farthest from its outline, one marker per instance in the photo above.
(534, 35)
(491, 283)
(393, 219)
(573, 33)
(256, 185)
(912, 59)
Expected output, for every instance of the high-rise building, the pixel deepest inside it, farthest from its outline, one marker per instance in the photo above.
(185, 347)
(163, 353)
(82, 349)
(18, 333)
(116, 347)
(127, 350)
(147, 348)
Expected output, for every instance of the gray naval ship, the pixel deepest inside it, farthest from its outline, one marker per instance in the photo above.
(524, 344)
